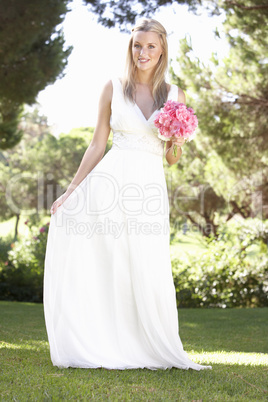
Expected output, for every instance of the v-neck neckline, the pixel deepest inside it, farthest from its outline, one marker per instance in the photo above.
(157, 110)
(139, 109)
(141, 112)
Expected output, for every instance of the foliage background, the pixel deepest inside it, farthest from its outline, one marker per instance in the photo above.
(219, 187)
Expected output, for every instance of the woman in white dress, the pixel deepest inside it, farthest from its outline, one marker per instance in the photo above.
(109, 297)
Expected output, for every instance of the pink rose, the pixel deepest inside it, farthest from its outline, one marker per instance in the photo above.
(177, 120)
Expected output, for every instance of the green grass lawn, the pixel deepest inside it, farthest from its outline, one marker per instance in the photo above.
(189, 244)
(7, 228)
(193, 243)
(233, 341)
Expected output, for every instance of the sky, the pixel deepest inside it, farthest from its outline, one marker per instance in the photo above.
(99, 55)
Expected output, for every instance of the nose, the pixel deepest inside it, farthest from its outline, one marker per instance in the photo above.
(141, 51)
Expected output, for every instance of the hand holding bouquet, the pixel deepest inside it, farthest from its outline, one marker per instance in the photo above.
(177, 120)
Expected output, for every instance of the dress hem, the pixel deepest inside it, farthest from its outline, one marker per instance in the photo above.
(85, 366)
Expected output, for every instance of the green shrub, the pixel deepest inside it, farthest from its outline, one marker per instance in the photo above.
(21, 276)
(226, 274)
(5, 246)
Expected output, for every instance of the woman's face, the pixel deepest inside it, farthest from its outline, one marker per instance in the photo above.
(146, 50)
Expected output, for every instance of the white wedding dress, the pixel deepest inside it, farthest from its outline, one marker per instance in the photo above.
(109, 297)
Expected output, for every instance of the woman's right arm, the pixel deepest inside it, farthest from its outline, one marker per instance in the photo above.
(96, 149)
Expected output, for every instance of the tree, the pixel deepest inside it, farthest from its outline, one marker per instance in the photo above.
(32, 56)
(231, 101)
(18, 186)
(38, 169)
(111, 13)
(10, 113)
(191, 196)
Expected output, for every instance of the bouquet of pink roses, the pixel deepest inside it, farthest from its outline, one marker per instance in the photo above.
(177, 120)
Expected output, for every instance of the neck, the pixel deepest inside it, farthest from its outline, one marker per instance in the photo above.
(144, 78)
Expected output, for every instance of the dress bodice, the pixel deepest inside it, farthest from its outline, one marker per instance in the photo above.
(131, 130)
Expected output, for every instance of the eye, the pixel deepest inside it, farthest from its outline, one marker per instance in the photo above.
(136, 45)
(151, 46)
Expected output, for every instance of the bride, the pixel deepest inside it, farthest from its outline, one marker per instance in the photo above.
(109, 297)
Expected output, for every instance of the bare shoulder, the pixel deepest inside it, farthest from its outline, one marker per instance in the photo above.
(181, 95)
(107, 92)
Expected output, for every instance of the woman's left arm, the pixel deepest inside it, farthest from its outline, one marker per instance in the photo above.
(171, 159)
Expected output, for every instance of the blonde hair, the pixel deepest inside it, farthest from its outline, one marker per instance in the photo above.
(159, 92)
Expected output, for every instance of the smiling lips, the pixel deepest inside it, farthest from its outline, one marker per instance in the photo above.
(143, 60)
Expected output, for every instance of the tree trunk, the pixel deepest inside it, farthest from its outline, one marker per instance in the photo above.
(16, 226)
